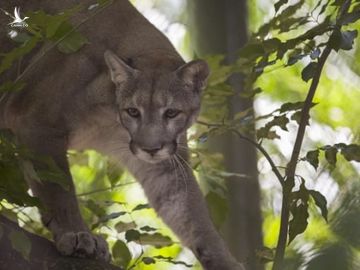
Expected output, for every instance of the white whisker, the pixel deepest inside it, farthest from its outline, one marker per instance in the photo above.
(182, 171)
(187, 163)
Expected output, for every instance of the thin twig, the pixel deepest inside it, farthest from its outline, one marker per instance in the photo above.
(255, 144)
(104, 189)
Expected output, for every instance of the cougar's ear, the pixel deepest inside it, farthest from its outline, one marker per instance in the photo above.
(195, 74)
(120, 72)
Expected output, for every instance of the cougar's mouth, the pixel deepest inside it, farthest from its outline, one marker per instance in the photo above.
(153, 154)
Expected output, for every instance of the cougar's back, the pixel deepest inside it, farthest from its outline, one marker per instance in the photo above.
(59, 77)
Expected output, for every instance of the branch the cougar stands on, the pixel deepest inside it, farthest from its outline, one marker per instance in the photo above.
(129, 95)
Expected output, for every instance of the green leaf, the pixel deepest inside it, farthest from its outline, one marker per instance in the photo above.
(297, 117)
(294, 58)
(279, 4)
(351, 152)
(271, 45)
(286, 107)
(21, 243)
(72, 43)
(320, 202)
(252, 51)
(148, 229)
(124, 226)
(298, 223)
(308, 72)
(343, 39)
(280, 121)
(132, 235)
(330, 154)
(112, 216)
(141, 207)
(266, 134)
(157, 240)
(11, 86)
(148, 260)
(9, 58)
(313, 158)
(121, 254)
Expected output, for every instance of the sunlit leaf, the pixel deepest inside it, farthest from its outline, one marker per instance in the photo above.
(157, 240)
(121, 254)
(148, 260)
(141, 207)
(113, 216)
(124, 226)
(132, 235)
(148, 229)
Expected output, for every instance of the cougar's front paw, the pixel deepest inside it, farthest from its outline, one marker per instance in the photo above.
(83, 245)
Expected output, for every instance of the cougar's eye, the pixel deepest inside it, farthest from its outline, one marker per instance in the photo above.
(133, 112)
(171, 113)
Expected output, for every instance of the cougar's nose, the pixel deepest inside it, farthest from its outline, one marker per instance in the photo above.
(153, 150)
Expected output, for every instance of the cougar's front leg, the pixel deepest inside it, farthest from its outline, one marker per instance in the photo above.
(61, 212)
(174, 193)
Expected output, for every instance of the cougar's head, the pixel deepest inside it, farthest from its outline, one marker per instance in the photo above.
(156, 108)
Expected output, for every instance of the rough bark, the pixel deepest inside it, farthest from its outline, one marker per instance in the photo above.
(220, 27)
(43, 254)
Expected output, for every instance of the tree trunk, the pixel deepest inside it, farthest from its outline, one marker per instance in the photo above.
(43, 254)
(220, 27)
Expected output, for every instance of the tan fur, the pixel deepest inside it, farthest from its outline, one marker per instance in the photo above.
(82, 101)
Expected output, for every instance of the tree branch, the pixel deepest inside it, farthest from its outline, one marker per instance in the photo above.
(291, 167)
(43, 254)
(255, 144)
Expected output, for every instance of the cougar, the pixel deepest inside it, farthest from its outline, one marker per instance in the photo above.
(129, 95)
